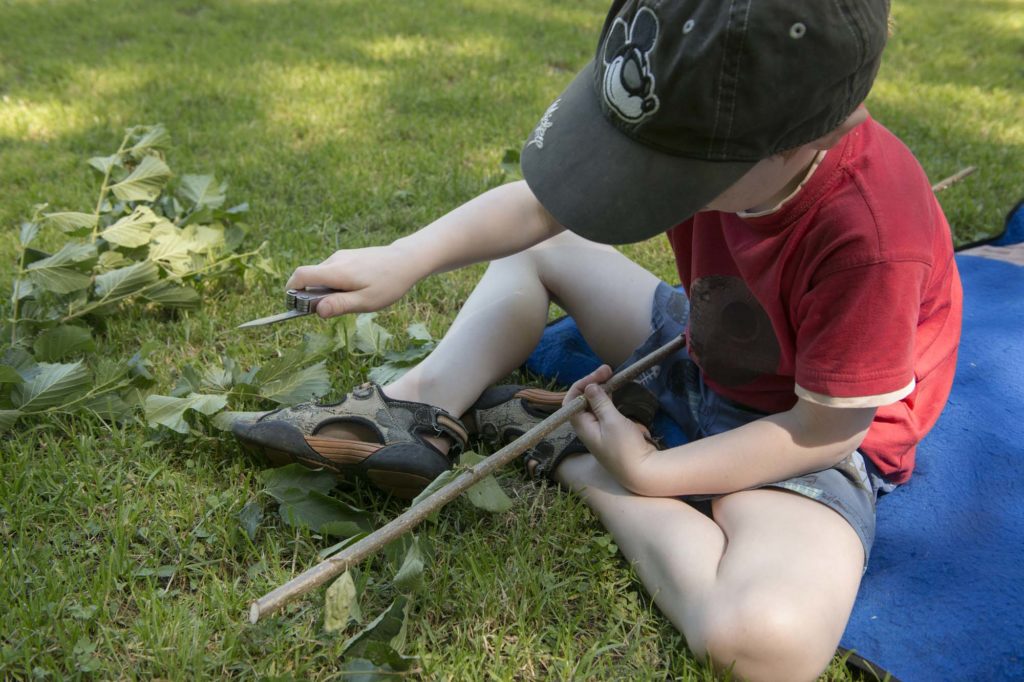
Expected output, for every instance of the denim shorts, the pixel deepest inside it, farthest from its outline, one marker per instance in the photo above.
(851, 488)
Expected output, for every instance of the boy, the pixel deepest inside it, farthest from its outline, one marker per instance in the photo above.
(822, 317)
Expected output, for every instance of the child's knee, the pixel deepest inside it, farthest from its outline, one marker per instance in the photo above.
(763, 636)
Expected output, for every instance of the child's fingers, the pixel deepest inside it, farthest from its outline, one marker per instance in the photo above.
(599, 375)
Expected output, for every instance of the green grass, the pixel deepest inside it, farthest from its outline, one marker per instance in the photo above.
(345, 124)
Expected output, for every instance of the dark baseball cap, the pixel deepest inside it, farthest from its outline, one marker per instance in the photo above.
(683, 98)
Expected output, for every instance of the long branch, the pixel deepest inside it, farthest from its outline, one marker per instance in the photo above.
(409, 519)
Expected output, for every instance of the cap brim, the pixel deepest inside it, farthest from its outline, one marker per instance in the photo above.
(605, 186)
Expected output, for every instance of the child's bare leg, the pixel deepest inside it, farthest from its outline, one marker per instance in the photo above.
(501, 322)
(608, 295)
(767, 585)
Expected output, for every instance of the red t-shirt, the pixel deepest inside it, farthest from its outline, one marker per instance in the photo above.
(847, 295)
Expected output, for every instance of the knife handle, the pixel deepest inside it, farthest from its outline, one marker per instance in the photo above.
(306, 300)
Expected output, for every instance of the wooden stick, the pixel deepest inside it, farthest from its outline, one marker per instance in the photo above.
(410, 518)
(953, 179)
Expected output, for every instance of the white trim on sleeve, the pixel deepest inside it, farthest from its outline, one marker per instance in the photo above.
(858, 401)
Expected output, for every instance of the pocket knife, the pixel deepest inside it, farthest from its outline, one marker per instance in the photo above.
(298, 303)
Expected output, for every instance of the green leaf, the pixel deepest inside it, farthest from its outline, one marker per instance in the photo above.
(316, 345)
(59, 280)
(153, 137)
(108, 406)
(364, 670)
(486, 494)
(80, 254)
(145, 182)
(9, 375)
(29, 231)
(280, 367)
(58, 273)
(435, 485)
(59, 342)
(7, 419)
(188, 382)
(139, 362)
(110, 370)
(51, 385)
(217, 379)
(202, 191)
(341, 603)
(410, 576)
(162, 410)
(172, 295)
(112, 260)
(344, 328)
(397, 363)
(386, 373)
(105, 164)
(384, 655)
(299, 386)
(23, 288)
(133, 230)
(83, 613)
(251, 516)
(207, 239)
(370, 337)
(338, 546)
(323, 514)
(294, 481)
(170, 246)
(126, 280)
(419, 332)
(71, 221)
(388, 628)
(21, 360)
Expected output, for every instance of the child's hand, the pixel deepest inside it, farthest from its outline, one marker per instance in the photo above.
(619, 443)
(369, 279)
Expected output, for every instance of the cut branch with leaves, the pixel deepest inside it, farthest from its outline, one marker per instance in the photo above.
(146, 243)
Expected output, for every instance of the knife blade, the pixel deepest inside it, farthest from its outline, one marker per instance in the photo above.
(299, 302)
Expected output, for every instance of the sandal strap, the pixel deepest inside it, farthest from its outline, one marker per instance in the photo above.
(395, 421)
(416, 419)
(504, 412)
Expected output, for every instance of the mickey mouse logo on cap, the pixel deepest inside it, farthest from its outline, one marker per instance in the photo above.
(628, 79)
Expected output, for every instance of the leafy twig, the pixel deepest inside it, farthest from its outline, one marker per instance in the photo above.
(107, 300)
(105, 186)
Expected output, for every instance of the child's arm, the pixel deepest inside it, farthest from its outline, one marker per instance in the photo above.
(806, 438)
(498, 223)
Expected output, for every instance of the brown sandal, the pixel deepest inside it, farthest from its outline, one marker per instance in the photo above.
(503, 413)
(400, 461)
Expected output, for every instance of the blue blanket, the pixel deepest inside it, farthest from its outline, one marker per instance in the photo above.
(943, 598)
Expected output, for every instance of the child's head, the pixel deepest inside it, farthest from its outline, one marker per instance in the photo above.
(684, 98)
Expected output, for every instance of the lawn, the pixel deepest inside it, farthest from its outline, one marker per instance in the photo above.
(346, 124)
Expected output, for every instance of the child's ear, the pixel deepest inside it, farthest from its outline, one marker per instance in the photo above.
(859, 115)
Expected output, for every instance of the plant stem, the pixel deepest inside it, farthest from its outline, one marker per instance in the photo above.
(17, 286)
(109, 387)
(106, 300)
(105, 187)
